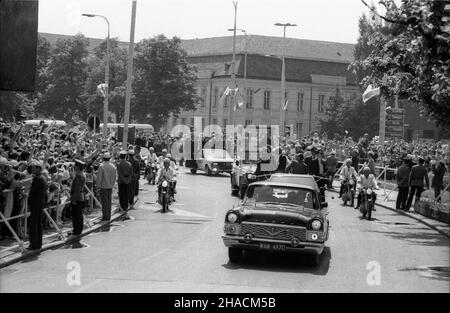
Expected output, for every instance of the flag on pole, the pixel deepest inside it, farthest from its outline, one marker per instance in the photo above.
(240, 104)
(370, 93)
(285, 105)
(102, 89)
(225, 93)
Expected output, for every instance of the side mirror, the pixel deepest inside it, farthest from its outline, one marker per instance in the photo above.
(324, 204)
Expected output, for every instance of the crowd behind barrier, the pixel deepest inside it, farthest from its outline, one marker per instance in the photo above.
(57, 148)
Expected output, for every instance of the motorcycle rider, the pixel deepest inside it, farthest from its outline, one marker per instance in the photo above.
(152, 158)
(347, 172)
(166, 172)
(367, 180)
(162, 157)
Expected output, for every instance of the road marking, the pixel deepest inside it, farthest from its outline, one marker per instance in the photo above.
(153, 255)
(87, 286)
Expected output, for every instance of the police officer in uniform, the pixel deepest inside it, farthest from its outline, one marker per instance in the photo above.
(134, 190)
(77, 197)
(124, 177)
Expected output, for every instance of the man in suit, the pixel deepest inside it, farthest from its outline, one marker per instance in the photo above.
(134, 186)
(438, 179)
(37, 200)
(418, 174)
(403, 173)
(297, 166)
(124, 177)
(77, 198)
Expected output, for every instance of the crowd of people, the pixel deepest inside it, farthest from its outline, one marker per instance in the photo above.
(63, 169)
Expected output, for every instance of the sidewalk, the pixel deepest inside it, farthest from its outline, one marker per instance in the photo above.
(10, 251)
(389, 203)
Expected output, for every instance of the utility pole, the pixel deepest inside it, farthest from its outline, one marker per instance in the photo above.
(129, 77)
(233, 68)
(283, 77)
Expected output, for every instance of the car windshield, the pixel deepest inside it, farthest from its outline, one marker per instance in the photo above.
(216, 154)
(296, 198)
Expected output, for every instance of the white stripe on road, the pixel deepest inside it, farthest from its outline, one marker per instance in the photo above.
(153, 255)
(87, 286)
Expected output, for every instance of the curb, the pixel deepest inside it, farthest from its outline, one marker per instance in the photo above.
(447, 234)
(59, 243)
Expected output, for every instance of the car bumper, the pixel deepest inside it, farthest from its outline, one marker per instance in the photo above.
(232, 241)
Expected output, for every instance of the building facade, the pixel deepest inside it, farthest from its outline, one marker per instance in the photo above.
(314, 70)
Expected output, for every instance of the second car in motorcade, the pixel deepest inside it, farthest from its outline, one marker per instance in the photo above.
(212, 162)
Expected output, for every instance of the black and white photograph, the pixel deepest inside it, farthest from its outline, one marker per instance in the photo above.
(224, 153)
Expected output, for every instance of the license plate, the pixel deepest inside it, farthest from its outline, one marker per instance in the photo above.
(270, 246)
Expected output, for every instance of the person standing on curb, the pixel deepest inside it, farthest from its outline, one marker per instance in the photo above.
(77, 198)
(106, 178)
(37, 200)
(124, 177)
(438, 179)
(134, 190)
(403, 185)
(418, 174)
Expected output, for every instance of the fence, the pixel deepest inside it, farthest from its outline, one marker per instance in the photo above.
(62, 199)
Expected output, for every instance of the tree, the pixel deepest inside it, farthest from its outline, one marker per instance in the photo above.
(410, 57)
(163, 81)
(67, 74)
(332, 123)
(360, 118)
(117, 79)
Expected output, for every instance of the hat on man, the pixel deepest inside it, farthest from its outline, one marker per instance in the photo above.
(79, 163)
(333, 152)
(36, 163)
(106, 156)
(131, 152)
(123, 152)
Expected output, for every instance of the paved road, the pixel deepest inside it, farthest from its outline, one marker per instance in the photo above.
(183, 252)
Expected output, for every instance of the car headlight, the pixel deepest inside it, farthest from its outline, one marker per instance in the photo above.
(369, 191)
(215, 164)
(164, 184)
(351, 182)
(316, 225)
(251, 176)
(232, 217)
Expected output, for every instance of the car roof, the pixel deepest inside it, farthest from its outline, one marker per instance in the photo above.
(279, 184)
(303, 179)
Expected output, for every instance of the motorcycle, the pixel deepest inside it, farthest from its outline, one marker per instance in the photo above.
(165, 197)
(367, 205)
(348, 193)
(150, 173)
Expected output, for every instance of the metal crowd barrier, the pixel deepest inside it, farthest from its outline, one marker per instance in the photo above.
(24, 214)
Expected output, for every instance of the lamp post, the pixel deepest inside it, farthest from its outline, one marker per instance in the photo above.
(105, 102)
(233, 69)
(283, 74)
(245, 64)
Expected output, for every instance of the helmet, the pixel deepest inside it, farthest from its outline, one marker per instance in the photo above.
(168, 155)
(348, 161)
(366, 169)
(164, 151)
(166, 161)
(151, 149)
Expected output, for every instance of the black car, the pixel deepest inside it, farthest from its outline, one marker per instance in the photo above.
(277, 216)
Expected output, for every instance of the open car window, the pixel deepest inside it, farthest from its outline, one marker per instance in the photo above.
(277, 195)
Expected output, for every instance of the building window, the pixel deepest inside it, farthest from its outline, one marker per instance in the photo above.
(300, 102)
(225, 101)
(183, 121)
(192, 121)
(321, 103)
(249, 98)
(298, 130)
(203, 97)
(267, 100)
(215, 121)
(248, 122)
(215, 97)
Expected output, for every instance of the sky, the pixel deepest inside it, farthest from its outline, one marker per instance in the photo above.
(327, 20)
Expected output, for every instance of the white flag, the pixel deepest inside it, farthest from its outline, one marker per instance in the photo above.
(240, 104)
(285, 105)
(102, 89)
(370, 93)
(225, 93)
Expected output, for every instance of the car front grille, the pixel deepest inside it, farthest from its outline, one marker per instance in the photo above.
(273, 232)
(223, 165)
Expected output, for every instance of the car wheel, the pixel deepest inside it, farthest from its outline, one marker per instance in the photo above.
(193, 171)
(234, 254)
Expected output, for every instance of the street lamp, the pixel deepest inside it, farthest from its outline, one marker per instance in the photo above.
(283, 74)
(245, 63)
(105, 103)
